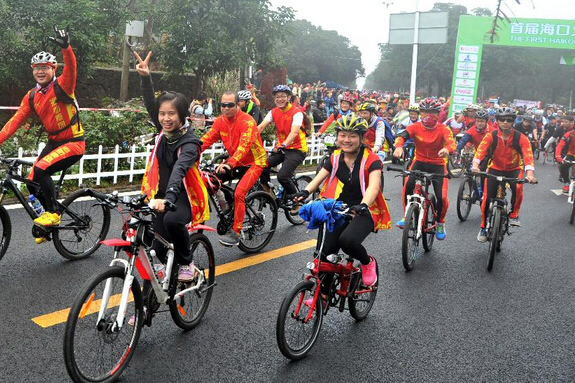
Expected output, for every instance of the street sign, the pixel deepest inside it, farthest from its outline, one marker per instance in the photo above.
(432, 28)
(135, 28)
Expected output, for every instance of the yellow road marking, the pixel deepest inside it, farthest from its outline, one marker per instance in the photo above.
(58, 317)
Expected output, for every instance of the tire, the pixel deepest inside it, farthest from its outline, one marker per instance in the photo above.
(465, 199)
(571, 220)
(409, 243)
(360, 305)
(258, 232)
(493, 243)
(94, 225)
(301, 183)
(288, 324)
(92, 351)
(536, 154)
(429, 237)
(5, 230)
(191, 307)
(455, 165)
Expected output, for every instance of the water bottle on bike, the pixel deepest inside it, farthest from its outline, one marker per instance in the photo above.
(36, 205)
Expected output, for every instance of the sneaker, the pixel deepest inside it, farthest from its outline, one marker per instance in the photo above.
(482, 235)
(48, 219)
(231, 238)
(400, 223)
(440, 234)
(186, 273)
(514, 221)
(40, 240)
(566, 189)
(369, 272)
(295, 209)
(132, 319)
(308, 302)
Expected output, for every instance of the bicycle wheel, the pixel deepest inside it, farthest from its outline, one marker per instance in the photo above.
(428, 236)
(294, 333)
(536, 153)
(410, 242)
(259, 223)
(301, 183)
(90, 221)
(493, 243)
(99, 351)
(455, 165)
(360, 304)
(465, 199)
(571, 220)
(5, 230)
(188, 311)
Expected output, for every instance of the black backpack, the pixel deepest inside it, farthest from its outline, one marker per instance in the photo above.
(62, 97)
(515, 143)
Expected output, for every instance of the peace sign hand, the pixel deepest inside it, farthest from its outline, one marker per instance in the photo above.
(142, 66)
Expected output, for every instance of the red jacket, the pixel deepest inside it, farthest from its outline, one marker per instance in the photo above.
(428, 142)
(567, 139)
(505, 157)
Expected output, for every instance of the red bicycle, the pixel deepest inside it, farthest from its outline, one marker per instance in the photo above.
(301, 314)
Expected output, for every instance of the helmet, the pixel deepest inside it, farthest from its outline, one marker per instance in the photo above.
(413, 108)
(212, 182)
(351, 123)
(481, 114)
(527, 117)
(245, 95)
(505, 112)
(472, 107)
(43, 58)
(430, 104)
(281, 88)
(348, 99)
(492, 112)
(368, 106)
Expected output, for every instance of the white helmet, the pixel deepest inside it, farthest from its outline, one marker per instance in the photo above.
(43, 58)
(245, 95)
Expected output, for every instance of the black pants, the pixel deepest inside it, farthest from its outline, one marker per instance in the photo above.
(438, 186)
(290, 160)
(172, 226)
(348, 237)
(564, 169)
(44, 177)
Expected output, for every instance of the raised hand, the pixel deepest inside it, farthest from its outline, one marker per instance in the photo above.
(142, 66)
(62, 37)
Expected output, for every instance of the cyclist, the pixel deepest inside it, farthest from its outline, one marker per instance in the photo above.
(565, 150)
(53, 101)
(246, 104)
(412, 118)
(549, 129)
(291, 149)
(344, 109)
(241, 138)
(476, 133)
(507, 151)
(469, 118)
(352, 176)
(526, 126)
(172, 175)
(433, 143)
(379, 137)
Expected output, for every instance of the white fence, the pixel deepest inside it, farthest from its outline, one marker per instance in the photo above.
(137, 159)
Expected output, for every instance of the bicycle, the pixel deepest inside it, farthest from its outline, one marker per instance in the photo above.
(469, 193)
(420, 217)
(261, 216)
(99, 348)
(293, 338)
(571, 194)
(549, 154)
(83, 225)
(536, 147)
(498, 215)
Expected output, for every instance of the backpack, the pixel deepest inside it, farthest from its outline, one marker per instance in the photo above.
(62, 97)
(515, 143)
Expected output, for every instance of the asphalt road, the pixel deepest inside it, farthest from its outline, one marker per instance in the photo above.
(449, 320)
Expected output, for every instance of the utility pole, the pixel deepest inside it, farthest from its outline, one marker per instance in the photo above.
(412, 87)
(126, 56)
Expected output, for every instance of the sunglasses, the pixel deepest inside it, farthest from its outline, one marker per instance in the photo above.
(228, 104)
(506, 119)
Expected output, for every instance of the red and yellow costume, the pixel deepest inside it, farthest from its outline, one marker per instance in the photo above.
(283, 120)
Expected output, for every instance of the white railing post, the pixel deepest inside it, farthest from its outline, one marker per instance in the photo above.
(132, 159)
(116, 151)
(99, 166)
(81, 171)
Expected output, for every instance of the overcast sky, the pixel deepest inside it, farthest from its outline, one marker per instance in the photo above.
(366, 22)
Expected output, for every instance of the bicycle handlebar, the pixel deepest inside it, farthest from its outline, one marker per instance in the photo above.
(417, 173)
(500, 178)
(13, 162)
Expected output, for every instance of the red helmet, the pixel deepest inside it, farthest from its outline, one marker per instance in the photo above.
(212, 182)
(348, 99)
(430, 104)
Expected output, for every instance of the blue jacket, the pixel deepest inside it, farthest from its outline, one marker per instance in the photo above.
(318, 212)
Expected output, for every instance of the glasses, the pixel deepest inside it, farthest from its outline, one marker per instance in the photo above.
(228, 104)
(43, 68)
(510, 120)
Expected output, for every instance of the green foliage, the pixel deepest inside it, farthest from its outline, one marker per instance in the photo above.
(314, 54)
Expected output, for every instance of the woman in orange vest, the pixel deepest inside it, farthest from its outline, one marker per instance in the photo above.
(353, 176)
(172, 175)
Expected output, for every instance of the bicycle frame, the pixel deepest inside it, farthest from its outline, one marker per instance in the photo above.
(420, 197)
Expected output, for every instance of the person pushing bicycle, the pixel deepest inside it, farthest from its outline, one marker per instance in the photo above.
(54, 102)
(508, 152)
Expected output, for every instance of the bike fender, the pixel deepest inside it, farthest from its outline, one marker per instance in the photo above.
(116, 242)
(200, 227)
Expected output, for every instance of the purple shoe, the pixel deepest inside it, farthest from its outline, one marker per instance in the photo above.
(186, 273)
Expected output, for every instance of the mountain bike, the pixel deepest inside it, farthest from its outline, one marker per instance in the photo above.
(261, 216)
(498, 215)
(459, 162)
(470, 192)
(99, 340)
(298, 325)
(549, 154)
(85, 218)
(420, 217)
(536, 147)
(571, 194)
